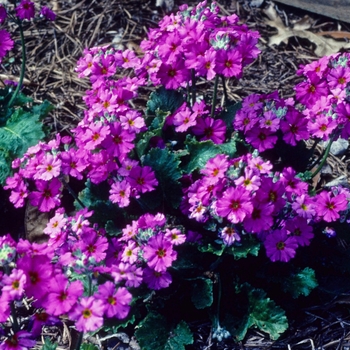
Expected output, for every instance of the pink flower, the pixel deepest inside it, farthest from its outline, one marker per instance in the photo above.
(25, 10)
(62, 295)
(294, 127)
(93, 245)
(184, 119)
(173, 75)
(261, 218)
(49, 167)
(304, 206)
(117, 303)
(47, 196)
(322, 126)
(279, 246)
(38, 271)
(159, 253)
(228, 63)
(13, 285)
(235, 204)
(175, 236)
(3, 15)
(142, 179)
(6, 43)
(130, 252)
(120, 193)
(215, 168)
(250, 180)
(88, 314)
(328, 206)
(156, 280)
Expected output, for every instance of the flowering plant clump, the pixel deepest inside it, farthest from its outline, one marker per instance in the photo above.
(175, 196)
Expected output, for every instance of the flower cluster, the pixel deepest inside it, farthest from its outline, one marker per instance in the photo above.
(81, 273)
(325, 95)
(245, 196)
(25, 10)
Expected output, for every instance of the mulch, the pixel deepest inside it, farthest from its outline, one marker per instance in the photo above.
(54, 48)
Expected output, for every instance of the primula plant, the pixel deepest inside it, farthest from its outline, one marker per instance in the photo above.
(180, 199)
(20, 117)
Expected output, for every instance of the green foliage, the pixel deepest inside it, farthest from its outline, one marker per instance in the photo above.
(163, 100)
(202, 292)
(166, 167)
(48, 345)
(264, 314)
(87, 346)
(22, 130)
(215, 249)
(154, 333)
(248, 245)
(301, 283)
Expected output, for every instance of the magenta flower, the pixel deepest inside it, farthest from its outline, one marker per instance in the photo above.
(19, 341)
(47, 196)
(25, 10)
(156, 280)
(130, 252)
(13, 285)
(328, 206)
(117, 303)
(261, 138)
(120, 193)
(62, 296)
(215, 168)
(48, 13)
(235, 204)
(294, 127)
(210, 129)
(93, 245)
(6, 43)
(279, 246)
(142, 179)
(261, 218)
(299, 228)
(38, 271)
(88, 314)
(228, 63)
(250, 180)
(159, 253)
(3, 14)
(173, 75)
(184, 119)
(49, 167)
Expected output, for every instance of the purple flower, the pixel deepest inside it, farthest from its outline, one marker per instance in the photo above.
(25, 10)
(159, 253)
(156, 280)
(48, 13)
(279, 246)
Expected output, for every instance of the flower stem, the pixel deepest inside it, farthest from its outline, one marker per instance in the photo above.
(79, 341)
(214, 96)
(225, 90)
(193, 86)
(328, 148)
(23, 66)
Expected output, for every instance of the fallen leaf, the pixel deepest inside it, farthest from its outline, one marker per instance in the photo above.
(305, 23)
(324, 46)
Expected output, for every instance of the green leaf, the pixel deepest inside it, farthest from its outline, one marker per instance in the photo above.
(200, 153)
(264, 314)
(202, 292)
(152, 332)
(166, 168)
(248, 245)
(214, 249)
(87, 346)
(163, 101)
(48, 345)
(179, 337)
(228, 148)
(301, 283)
(22, 130)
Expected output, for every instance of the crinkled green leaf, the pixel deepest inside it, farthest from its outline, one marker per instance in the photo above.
(202, 292)
(87, 346)
(301, 283)
(264, 314)
(228, 148)
(152, 332)
(200, 152)
(166, 167)
(48, 345)
(5, 165)
(248, 245)
(179, 337)
(209, 248)
(163, 100)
